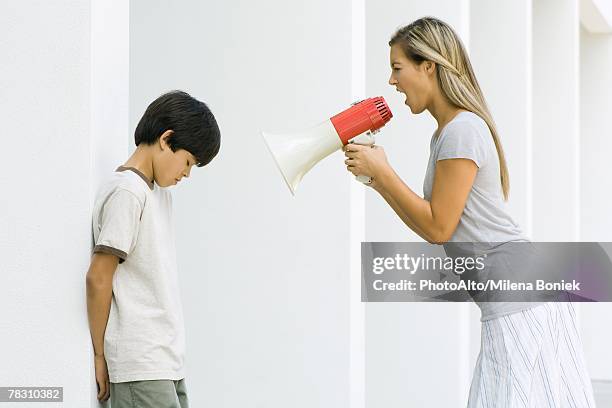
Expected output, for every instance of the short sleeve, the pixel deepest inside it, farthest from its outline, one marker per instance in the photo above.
(462, 140)
(118, 222)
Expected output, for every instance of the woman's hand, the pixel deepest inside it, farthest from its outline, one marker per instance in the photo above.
(363, 160)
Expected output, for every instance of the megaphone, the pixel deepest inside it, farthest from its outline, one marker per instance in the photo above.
(296, 153)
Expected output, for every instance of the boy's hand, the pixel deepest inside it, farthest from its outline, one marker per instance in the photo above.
(102, 378)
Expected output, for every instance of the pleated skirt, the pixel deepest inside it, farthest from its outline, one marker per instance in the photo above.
(533, 358)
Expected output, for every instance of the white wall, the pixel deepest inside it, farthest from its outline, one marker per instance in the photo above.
(45, 206)
(264, 275)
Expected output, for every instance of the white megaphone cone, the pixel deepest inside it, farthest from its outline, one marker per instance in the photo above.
(296, 153)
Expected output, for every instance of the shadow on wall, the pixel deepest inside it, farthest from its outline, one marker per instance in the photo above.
(603, 392)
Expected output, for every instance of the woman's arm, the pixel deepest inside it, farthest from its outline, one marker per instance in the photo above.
(398, 210)
(435, 220)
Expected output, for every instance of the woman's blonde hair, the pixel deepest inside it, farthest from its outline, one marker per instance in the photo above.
(430, 39)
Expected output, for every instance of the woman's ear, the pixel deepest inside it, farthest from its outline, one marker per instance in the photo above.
(163, 139)
(430, 67)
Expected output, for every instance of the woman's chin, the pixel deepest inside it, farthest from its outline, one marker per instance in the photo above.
(410, 106)
(415, 110)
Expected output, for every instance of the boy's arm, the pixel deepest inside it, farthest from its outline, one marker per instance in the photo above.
(99, 294)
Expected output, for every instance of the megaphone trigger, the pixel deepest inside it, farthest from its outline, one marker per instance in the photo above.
(366, 139)
(364, 179)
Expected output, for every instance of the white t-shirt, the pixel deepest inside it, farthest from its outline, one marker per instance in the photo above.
(144, 338)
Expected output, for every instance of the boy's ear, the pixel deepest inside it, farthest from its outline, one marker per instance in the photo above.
(163, 139)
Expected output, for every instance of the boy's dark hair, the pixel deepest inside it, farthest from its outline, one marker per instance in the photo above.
(194, 125)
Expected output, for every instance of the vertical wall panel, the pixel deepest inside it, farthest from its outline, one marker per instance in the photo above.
(44, 210)
(556, 148)
(264, 275)
(596, 185)
(501, 53)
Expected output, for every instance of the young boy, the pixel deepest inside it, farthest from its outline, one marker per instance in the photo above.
(133, 303)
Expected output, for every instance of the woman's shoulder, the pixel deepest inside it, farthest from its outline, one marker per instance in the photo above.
(464, 137)
(466, 121)
(468, 127)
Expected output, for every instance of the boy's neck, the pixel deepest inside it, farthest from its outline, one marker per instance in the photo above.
(142, 160)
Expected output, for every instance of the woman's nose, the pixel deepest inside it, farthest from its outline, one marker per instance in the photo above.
(392, 81)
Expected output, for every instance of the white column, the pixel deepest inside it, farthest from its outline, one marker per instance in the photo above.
(63, 103)
(556, 101)
(357, 373)
(596, 143)
(44, 209)
(109, 101)
(596, 188)
(501, 54)
(110, 69)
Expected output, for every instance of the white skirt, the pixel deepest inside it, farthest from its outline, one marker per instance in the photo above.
(533, 358)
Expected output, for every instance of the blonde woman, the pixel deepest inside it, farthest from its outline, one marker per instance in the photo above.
(531, 354)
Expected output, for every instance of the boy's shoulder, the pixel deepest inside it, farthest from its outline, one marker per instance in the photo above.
(125, 179)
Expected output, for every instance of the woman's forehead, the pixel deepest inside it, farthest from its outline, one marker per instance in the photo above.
(396, 54)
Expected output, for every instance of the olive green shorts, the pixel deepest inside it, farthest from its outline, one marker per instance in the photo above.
(149, 394)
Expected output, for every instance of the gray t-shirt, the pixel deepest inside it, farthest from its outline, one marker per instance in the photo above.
(484, 218)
